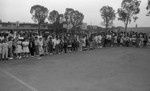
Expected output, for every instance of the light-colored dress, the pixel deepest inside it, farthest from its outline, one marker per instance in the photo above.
(25, 45)
(99, 39)
(19, 47)
(41, 51)
(54, 42)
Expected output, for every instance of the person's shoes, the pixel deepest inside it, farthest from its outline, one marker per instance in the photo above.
(39, 58)
(10, 58)
(20, 57)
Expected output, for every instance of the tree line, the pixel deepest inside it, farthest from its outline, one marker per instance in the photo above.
(126, 13)
(71, 16)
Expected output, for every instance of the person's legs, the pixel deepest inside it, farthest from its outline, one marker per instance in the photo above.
(51, 49)
(32, 51)
(37, 50)
(0, 56)
(3, 54)
(6, 53)
(65, 48)
(10, 53)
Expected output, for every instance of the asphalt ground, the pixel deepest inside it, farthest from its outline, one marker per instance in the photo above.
(107, 69)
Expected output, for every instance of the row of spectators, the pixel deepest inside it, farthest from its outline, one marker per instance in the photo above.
(20, 45)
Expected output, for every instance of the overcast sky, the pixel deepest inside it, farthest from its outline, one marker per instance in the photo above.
(19, 10)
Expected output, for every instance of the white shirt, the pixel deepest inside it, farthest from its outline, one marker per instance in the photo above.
(54, 41)
(57, 41)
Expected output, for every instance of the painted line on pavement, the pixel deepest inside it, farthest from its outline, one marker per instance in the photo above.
(22, 82)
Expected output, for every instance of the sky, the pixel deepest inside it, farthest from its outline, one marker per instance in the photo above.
(19, 10)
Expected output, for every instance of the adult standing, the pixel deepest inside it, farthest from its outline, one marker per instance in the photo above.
(32, 46)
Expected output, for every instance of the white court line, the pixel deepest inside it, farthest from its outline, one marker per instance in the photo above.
(22, 82)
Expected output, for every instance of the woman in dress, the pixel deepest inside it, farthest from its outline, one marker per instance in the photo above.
(18, 49)
(25, 45)
(41, 50)
(45, 45)
(10, 47)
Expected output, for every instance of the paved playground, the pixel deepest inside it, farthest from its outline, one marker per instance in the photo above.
(107, 69)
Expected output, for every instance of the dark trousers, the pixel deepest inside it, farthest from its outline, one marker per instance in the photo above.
(32, 50)
(36, 50)
(50, 49)
(65, 48)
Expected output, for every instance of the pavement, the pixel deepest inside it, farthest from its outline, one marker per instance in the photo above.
(107, 69)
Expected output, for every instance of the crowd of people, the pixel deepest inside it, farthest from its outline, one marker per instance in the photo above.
(23, 45)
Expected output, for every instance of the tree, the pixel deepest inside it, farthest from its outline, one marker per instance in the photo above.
(67, 17)
(76, 19)
(148, 8)
(128, 11)
(39, 14)
(56, 19)
(108, 15)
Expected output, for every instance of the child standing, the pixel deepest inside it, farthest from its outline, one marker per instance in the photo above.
(18, 49)
(5, 50)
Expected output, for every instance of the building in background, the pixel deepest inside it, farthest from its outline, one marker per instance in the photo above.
(16, 26)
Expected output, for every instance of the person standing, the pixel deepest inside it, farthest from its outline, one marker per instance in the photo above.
(0, 49)
(5, 50)
(19, 49)
(65, 46)
(145, 40)
(45, 45)
(25, 45)
(99, 40)
(81, 44)
(32, 46)
(148, 44)
(57, 45)
(10, 47)
(36, 46)
(41, 50)
(50, 46)
(115, 41)
(54, 41)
